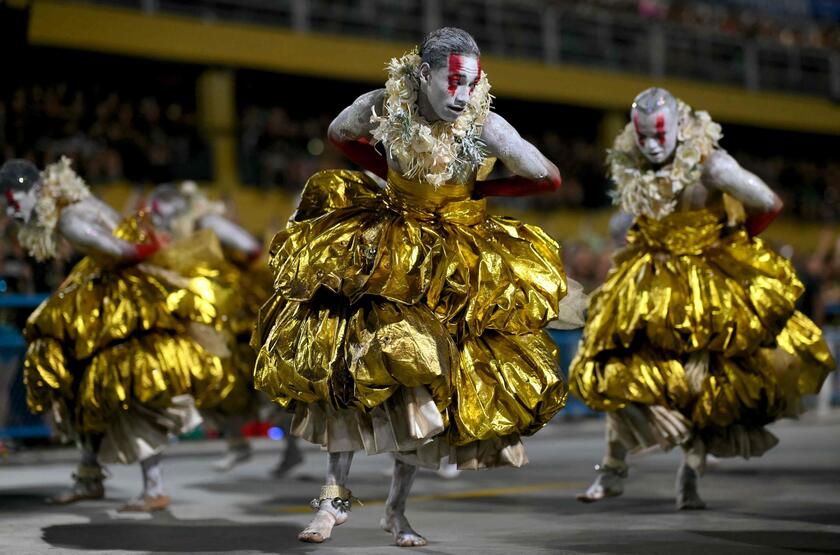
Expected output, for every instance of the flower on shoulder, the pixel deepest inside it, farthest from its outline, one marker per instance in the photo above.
(688, 155)
(625, 140)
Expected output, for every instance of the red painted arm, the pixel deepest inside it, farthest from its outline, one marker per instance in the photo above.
(362, 153)
(517, 186)
(255, 254)
(142, 251)
(756, 223)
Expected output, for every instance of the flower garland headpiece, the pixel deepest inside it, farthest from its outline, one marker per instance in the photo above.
(642, 190)
(433, 152)
(60, 186)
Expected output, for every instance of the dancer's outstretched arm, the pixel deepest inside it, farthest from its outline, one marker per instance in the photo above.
(534, 173)
(350, 133)
(723, 172)
(80, 225)
(232, 235)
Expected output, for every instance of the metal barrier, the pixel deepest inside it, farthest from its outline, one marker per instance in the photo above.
(16, 422)
(550, 32)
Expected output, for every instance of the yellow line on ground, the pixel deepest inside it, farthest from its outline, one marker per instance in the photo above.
(469, 494)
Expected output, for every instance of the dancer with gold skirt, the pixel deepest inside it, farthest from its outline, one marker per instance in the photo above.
(128, 346)
(405, 319)
(178, 212)
(694, 340)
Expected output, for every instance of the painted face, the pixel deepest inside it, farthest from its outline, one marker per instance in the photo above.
(656, 133)
(21, 204)
(449, 88)
(164, 211)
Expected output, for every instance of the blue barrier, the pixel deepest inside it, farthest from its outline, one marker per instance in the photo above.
(20, 423)
(567, 342)
(22, 300)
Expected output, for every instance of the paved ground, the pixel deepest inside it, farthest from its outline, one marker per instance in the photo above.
(786, 502)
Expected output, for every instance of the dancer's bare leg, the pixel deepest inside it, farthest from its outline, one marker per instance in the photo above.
(153, 497)
(612, 471)
(395, 520)
(292, 457)
(88, 478)
(689, 475)
(238, 446)
(333, 503)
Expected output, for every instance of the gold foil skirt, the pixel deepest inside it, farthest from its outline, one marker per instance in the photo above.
(116, 338)
(377, 292)
(686, 286)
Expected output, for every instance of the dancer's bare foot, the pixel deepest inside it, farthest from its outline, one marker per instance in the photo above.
(146, 504)
(320, 528)
(291, 458)
(688, 499)
(87, 485)
(448, 471)
(608, 483)
(404, 534)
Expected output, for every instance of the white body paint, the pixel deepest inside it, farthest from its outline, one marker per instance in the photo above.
(89, 225)
(230, 234)
(501, 138)
(722, 172)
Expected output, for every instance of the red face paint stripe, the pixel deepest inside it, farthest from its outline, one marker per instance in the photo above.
(10, 196)
(455, 66)
(660, 128)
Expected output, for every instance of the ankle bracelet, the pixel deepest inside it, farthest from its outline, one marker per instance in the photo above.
(621, 472)
(340, 498)
(85, 473)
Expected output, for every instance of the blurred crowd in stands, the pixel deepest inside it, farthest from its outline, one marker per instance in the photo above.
(112, 135)
(118, 134)
(115, 137)
(794, 23)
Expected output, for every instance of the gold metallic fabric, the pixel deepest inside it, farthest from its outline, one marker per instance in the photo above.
(378, 289)
(115, 334)
(688, 284)
(252, 284)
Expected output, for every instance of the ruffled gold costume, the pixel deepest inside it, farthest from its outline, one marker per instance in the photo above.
(406, 319)
(696, 325)
(118, 340)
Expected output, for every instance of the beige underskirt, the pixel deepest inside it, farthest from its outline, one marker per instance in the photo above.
(641, 428)
(571, 312)
(408, 425)
(140, 432)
